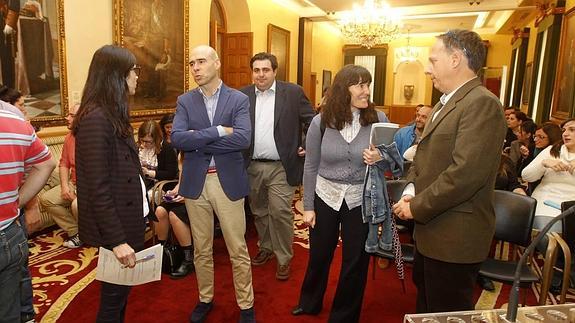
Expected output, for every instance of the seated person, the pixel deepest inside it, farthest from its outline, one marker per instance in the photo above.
(158, 158)
(521, 151)
(547, 134)
(13, 97)
(60, 201)
(175, 211)
(555, 167)
(514, 120)
(409, 135)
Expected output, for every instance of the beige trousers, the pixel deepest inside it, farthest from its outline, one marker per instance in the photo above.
(64, 212)
(270, 202)
(233, 223)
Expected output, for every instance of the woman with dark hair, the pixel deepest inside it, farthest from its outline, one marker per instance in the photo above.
(166, 126)
(14, 97)
(337, 140)
(555, 167)
(111, 195)
(522, 150)
(547, 134)
(514, 121)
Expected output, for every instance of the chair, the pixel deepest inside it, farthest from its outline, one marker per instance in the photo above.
(514, 215)
(566, 242)
(394, 191)
(155, 201)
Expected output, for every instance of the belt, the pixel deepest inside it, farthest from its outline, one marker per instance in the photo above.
(263, 160)
(211, 170)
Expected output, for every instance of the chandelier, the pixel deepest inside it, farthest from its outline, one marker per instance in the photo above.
(371, 24)
(407, 53)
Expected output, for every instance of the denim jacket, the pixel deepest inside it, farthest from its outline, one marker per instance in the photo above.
(375, 201)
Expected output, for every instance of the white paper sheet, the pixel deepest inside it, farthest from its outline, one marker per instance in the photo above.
(148, 267)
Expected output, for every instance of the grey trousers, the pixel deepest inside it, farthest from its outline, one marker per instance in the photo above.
(270, 202)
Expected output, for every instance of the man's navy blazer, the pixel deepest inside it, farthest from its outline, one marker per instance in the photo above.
(193, 134)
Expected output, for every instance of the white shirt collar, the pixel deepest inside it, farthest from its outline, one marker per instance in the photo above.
(445, 97)
(272, 89)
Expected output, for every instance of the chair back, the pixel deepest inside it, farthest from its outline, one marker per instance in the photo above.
(514, 215)
(568, 225)
(395, 189)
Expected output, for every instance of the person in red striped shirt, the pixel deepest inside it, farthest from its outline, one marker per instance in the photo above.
(25, 165)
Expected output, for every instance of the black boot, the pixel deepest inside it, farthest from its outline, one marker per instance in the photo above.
(187, 265)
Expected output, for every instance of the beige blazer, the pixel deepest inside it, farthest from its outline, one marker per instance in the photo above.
(454, 176)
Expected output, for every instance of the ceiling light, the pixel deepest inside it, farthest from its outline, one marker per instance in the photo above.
(371, 24)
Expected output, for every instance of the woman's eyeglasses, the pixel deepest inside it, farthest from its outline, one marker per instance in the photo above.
(539, 137)
(137, 69)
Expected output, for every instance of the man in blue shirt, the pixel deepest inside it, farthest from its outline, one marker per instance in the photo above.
(409, 135)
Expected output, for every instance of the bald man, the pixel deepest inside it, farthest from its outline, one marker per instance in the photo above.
(212, 127)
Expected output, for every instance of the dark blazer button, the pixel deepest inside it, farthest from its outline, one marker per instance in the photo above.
(129, 203)
(129, 179)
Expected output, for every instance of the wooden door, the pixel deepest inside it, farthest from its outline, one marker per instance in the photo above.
(236, 55)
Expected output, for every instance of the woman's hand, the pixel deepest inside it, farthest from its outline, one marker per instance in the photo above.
(524, 151)
(309, 218)
(558, 165)
(125, 255)
(371, 155)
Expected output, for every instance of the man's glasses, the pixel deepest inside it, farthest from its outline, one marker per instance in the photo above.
(137, 69)
(451, 34)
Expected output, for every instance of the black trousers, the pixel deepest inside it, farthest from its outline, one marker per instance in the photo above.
(443, 286)
(324, 237)
(113, 301)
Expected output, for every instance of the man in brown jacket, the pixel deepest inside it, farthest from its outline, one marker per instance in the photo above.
(453, 177)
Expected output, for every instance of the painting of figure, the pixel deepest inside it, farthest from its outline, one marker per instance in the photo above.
(154, 30)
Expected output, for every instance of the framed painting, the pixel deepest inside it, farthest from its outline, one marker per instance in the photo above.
(564, 89)
(278, 44)
(156, 31)
(35, 63)
(325, 80)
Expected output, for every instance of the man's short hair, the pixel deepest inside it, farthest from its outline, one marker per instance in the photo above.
(262, 57)
(470, 43)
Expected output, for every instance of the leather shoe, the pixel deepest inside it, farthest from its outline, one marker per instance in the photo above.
(283, 272)
(486, 283)
(201, 311)
(262, 257)
(298, 310)
(182, 271)
(248, 315)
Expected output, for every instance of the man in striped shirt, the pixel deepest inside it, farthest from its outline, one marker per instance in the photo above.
(21, 153)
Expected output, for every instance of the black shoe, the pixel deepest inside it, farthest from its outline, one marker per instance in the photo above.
(182, 271)
(486, 283)
(298, 310)
(201, 311)
(248, 315)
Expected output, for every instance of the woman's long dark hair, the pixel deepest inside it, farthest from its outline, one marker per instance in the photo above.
(106, 88)
(336, 111)
(556, 148)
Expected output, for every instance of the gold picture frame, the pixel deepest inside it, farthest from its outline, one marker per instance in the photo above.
(156, 31)
(564, 91)
(40, 67)
(278, 44)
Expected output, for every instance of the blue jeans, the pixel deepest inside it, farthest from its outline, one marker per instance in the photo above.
(13, 253)
(27, 296)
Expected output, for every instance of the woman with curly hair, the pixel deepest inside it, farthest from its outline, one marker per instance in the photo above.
(336, 156)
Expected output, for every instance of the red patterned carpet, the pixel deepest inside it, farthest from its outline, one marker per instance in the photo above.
(65, 289)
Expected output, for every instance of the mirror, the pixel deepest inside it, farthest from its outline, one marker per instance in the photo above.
(39, 54)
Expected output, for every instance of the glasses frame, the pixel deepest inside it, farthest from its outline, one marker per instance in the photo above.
(137, 69)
